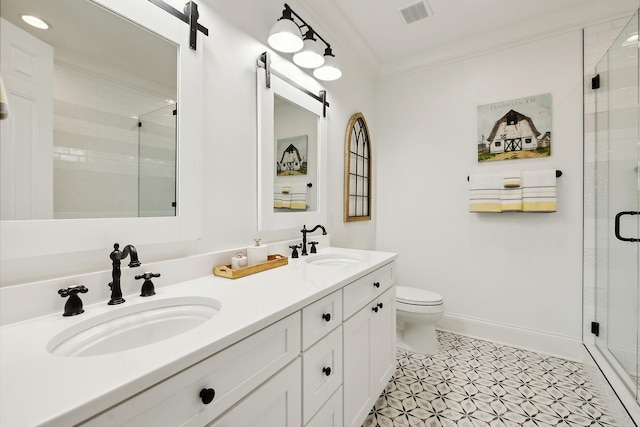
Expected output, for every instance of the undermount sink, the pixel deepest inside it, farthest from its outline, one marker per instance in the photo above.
(334, 260)
(134, 326)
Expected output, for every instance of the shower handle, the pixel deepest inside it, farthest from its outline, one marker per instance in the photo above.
(617, 231)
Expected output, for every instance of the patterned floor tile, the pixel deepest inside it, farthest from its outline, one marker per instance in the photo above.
(478, 383)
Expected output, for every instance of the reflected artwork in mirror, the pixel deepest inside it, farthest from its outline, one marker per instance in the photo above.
(296, 142)
(291, 156)
(92, 126)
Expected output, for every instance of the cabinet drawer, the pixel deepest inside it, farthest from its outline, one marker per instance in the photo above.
(321, 317)
(330, 415)
(231, 373)
(321, 372)
(363, 290)
(275, 404)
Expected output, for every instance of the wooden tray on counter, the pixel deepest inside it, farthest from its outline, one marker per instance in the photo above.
(272, 261)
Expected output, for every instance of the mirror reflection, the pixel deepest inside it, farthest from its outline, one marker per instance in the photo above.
(91, 131)
(296, 153)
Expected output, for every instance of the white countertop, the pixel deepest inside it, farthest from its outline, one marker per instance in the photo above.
(39, 388)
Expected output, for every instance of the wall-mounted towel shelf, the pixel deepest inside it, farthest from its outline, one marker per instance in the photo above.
(558, 174)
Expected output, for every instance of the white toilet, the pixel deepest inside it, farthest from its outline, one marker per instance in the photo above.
(417, 311)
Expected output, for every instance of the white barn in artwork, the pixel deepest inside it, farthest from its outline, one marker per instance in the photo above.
(513, 132)
(291, 159)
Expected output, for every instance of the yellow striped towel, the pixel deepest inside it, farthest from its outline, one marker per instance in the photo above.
(511, 179)
(485, 193)
(299, 196)
(539, 191)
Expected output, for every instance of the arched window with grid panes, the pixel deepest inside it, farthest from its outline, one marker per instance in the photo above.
(357, 171)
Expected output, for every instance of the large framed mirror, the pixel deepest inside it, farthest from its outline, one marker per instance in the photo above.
(291, 156)
(100, 151)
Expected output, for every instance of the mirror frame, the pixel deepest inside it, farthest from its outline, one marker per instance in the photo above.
(267, 218)
(22, 239)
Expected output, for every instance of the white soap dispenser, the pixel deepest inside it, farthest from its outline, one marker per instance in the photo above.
(257, 253)
(238, 261)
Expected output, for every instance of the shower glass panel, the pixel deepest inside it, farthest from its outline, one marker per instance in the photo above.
(618, 205)
(157, 162)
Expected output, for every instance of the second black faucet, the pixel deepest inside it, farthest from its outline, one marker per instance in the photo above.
(304, 232)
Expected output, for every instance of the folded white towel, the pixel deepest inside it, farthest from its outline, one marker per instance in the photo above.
(539, 191)
(299, 196)
(511, 179)
(282, 196)
(485, 193)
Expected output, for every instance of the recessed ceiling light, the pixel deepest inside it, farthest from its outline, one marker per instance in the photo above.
(34, 21)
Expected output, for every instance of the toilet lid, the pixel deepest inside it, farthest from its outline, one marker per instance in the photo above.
(417, 296)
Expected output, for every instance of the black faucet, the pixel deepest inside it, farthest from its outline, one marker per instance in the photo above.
(304, 232)
(117, 256)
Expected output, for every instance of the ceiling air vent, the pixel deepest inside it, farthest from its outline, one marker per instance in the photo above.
(415, 11)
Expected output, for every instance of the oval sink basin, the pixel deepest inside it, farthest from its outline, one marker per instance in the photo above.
(134, 326)
(334, 260)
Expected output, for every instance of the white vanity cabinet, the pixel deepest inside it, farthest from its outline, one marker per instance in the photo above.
(369, 341)
(232, 374)
(322, 355)
(322, 366)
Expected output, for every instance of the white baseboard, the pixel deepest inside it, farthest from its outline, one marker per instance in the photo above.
(539, 341)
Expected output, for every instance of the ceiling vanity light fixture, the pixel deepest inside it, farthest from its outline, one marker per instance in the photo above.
(287, 36)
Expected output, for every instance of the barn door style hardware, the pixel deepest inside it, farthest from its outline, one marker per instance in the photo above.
(595, 82)
(190, 16)
(264, 61)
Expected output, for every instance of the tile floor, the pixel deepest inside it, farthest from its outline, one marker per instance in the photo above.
(472, 382)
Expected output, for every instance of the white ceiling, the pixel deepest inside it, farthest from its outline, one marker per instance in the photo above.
(457, 28)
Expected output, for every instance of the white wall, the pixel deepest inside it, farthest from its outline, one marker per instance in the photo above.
(511, 277)
(237, 36)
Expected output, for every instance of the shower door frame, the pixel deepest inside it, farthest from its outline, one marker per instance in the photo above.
(617, 106)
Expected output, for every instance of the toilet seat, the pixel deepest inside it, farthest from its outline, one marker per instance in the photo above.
(417, 297)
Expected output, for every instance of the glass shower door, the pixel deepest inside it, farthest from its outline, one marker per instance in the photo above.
(157, 162)
(618, 206)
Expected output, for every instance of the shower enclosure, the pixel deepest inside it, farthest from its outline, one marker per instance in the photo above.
(157, 162)
(617, 208)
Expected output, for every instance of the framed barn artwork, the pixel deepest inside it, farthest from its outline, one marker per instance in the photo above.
(291, 156)
(515, 129)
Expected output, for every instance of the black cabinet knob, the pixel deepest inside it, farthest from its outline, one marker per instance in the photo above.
(326, 371)
(207, 395)
(376, 284)
(326, 317)
(375, 308)
(380, 305)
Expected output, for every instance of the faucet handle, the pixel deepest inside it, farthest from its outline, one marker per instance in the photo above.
(313, 249)
(294, 254)
(147, 287)
(74, 303)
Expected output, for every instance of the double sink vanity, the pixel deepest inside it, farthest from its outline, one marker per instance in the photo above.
(311, 343)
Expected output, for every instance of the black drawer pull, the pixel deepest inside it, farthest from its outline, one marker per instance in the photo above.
(326, 317)
(375, 308)
(207, 395)
(326, 371)
(380, 305)
(376, 284)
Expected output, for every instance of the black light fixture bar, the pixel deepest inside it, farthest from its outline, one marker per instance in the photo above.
(264, 61)
(190, 16)
(304, 24)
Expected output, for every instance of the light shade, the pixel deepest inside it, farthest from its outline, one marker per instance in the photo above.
(285, 36)
(311, 54)
(34, 21)
(329, 71)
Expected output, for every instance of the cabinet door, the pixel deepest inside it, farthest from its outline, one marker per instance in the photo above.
(277, 403)
(358, 333)
(383, 357)
(369, 356)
